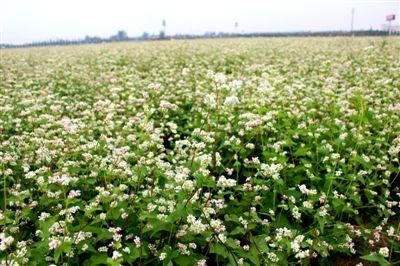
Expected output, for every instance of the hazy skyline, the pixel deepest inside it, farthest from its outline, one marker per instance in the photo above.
(24, 21)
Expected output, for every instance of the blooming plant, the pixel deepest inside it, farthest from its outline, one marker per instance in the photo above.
(209, 152)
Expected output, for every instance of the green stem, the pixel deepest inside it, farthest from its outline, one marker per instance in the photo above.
(5, 207)
(391, 245)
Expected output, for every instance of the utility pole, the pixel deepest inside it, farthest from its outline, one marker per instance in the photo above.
(164, 24)
(352, 20)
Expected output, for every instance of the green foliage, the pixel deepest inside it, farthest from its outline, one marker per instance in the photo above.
(218, 152)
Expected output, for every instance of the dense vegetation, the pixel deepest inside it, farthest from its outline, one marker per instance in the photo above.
(123, 36)
(217, 152)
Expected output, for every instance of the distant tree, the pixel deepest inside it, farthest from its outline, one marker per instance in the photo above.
(122, 35)
(209, 34)
(145, 36)
(161, 35)
(89, 39)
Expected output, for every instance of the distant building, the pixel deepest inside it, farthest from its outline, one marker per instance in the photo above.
(392, 29)
(121, 35)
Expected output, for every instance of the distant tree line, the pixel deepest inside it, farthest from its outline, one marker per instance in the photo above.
(123, 36)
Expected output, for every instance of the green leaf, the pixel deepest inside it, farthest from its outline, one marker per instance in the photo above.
(301, 151)
(231, 243)
(253, 256)
(133, 255)
(282, 221)
(113, 262)
(184, 260)
(376, 258)
(158, 226)
(219, 249)
(102, 233)
(180, 212)
(238, 231)
(321, 223)
(57, 254)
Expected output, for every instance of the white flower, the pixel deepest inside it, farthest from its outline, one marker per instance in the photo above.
(43, 216)
(185, 71)
(323, 211)
(137, 241)
(307, 204)
(395, 107)
(116, 255)
(197, 227)
(183, 249)
(303, 254)
(162, 256)
(295, 245)
(272, 257)
(54, 243)
(30, 175)
(102, 249)
(307, 191)
(102, 216)
(209, 100)
(343, 136)
(191, 219)
(231, 101)
(74, 193)
(222, 237)
(5, 242)
(224, 182)
(295, 212)
(272, 170)
(219, 78)
(201, 263)
(165, 106)
(253, 123)
(384, 252)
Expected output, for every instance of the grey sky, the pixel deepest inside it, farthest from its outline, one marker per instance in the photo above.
(35, 20)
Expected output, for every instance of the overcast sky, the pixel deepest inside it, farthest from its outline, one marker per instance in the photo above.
(36, 20)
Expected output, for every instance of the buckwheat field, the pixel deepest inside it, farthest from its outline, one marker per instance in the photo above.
(204, 152)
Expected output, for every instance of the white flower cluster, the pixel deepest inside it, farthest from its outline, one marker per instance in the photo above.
(224, 182)
(5, 241)
(272, 170)
(303, 188)
(166, 152)
(196, 226)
